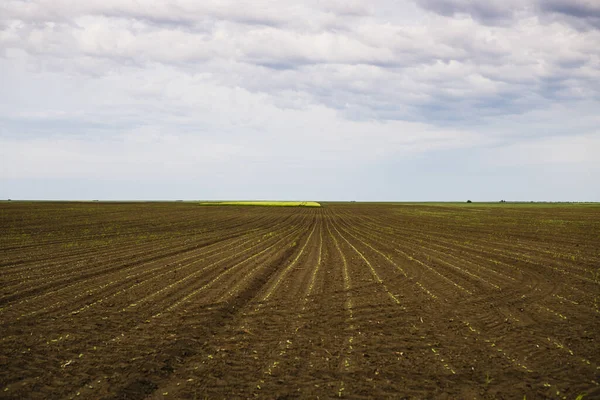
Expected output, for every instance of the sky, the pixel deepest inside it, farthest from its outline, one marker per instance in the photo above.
(381, 100)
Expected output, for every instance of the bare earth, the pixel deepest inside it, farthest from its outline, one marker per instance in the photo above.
(179, 300)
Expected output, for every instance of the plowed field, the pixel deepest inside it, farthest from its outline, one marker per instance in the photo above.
(179, 300)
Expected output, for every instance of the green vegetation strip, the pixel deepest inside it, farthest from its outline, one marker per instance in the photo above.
(263, 203)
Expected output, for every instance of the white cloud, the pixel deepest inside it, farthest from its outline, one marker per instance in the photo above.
(439, 58)
(128, 88)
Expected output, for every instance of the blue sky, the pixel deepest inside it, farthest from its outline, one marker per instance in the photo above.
(328, 100)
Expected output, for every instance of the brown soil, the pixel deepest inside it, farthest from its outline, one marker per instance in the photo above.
(177, 300)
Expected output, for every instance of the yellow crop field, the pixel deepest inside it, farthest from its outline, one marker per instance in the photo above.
(263, 203)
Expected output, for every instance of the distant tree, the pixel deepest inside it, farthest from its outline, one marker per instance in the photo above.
(502, 201)
(469, 201)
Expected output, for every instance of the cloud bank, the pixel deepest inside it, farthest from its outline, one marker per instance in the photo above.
(382, 100)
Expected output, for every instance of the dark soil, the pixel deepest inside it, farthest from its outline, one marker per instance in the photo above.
(177, 300)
